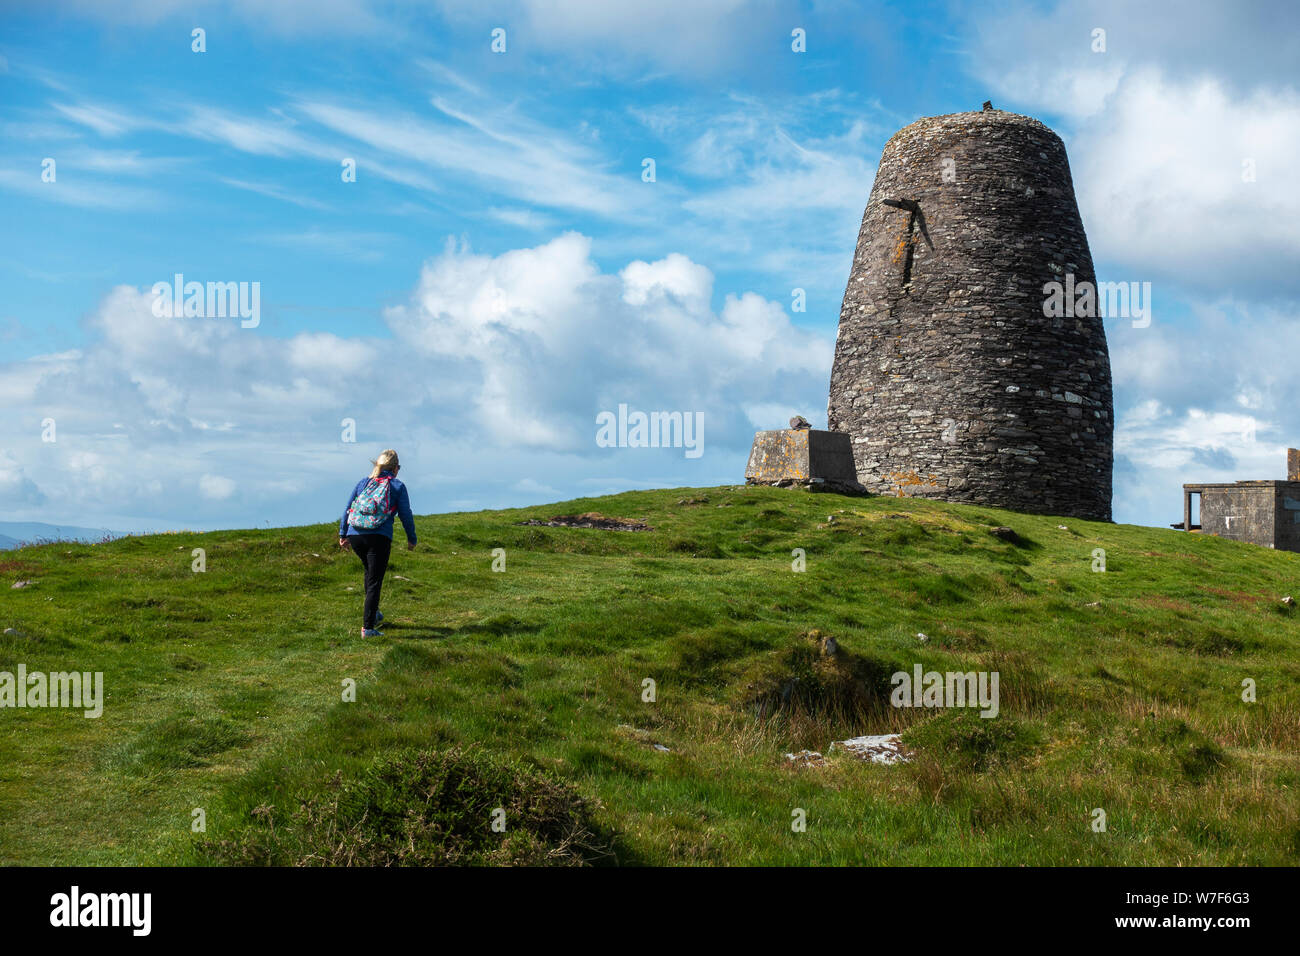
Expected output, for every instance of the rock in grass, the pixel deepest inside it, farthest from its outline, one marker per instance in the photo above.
(591, 519)
(806, 758)
(20, 584)
(1005, 534)
(882, 748)
(643, 737)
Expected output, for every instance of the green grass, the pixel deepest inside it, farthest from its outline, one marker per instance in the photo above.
(522, 690)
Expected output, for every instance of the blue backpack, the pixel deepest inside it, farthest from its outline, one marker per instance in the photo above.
(373, 505)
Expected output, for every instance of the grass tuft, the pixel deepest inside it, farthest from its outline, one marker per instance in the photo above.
(419, 808)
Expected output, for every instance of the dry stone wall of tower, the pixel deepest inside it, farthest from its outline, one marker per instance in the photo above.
(948, 376)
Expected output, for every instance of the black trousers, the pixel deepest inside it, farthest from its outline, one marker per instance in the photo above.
(373, 550)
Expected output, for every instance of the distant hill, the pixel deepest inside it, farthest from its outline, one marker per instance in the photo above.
(14, 534)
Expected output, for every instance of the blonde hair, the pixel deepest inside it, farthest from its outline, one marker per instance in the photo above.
(387, 461)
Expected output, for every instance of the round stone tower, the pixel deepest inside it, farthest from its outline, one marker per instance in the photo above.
(958, 373)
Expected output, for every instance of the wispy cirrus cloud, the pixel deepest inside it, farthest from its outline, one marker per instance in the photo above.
(341, 243)
(514, 158)
(70, 191)
(119, 162)
(277, 136)
(284, 17)
(692, 37)
(275, 192)
(103, 120)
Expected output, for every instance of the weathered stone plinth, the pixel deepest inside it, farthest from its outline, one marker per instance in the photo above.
(804, 457)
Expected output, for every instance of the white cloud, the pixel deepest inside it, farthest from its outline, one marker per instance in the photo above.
(261, 137)
(1159, 179)
(216, 488)
(117, 162)
(490, 385)
(688, 35)
(516, 156)
(521, 217)
(275, 192)
(1159, 449)
(1158, 128)
(284, 17)
(103, 120)
(17, 487)
(1209, 400)
(69, 189)
(673, 276)
(544, 340)
(767, 416)
(358, 246)
(762, 182)
(789, 175)
(777, 183)
(693, 36)
(312, 352)
(1042, 57)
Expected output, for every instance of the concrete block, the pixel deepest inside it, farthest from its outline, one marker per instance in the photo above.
(807, 457)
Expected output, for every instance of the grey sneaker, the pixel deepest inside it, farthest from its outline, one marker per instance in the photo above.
(371, 632)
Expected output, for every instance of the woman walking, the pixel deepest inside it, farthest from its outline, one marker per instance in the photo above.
(367, 528)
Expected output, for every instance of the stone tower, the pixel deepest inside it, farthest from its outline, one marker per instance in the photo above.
(950, 378)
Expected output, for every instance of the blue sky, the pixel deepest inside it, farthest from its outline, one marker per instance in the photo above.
(499, 272)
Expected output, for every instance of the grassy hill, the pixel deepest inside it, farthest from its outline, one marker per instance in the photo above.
(522, 690)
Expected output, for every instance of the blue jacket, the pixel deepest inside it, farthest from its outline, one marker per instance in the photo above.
(399, 497)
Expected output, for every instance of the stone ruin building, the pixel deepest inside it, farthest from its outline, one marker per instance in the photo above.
(1260, 512)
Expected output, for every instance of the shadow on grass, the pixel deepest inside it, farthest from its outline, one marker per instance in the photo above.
(496, 626)
(1021, 542)
(420, 632)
